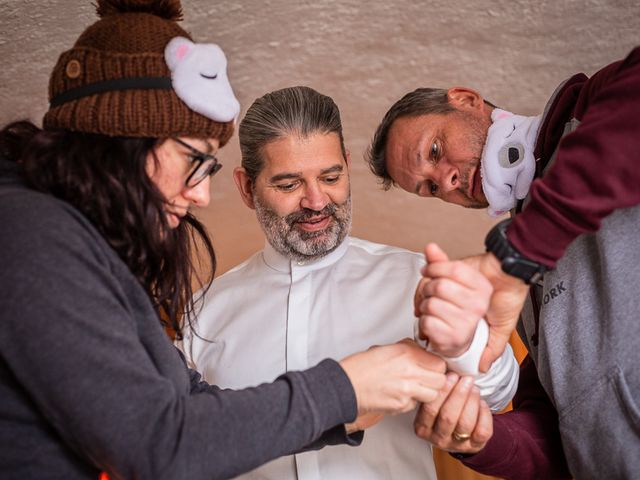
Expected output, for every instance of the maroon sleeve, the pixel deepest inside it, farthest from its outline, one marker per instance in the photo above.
(597, 170)
(526, 441)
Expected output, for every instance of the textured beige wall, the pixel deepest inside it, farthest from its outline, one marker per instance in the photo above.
(363, 54)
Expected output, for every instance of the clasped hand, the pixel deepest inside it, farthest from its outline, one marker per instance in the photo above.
(450, 300)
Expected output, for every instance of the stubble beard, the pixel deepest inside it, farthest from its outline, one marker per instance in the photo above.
(289, 240)
(476, 138)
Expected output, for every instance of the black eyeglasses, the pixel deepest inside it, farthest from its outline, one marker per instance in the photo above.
(204, 164)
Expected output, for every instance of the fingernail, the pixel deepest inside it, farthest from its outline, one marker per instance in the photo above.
(451, 378)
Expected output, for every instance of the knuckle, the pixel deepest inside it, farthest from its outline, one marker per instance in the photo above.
(424, 324)
(409, 405)
(420, 418)
(458, 268)
(432, 395)
(458, 338)
(427, 304)
(438, 439)
(447, 419)
(395, 404)
(478, 312)
(430, 410)
(478, 307)
(483, 434)
(439, 287)
(458, 341)
(464, 427)
(422, 431)
(405, 385)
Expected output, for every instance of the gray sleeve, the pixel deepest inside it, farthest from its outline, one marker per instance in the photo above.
(113, 388)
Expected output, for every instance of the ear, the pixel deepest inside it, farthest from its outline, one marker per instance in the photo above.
(464, 98)
(176, 50)
(347, 158)
(244, 184)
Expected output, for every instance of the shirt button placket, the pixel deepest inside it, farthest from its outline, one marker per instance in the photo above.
(298, 316)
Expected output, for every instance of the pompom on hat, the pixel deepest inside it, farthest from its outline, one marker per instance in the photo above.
(137, 73)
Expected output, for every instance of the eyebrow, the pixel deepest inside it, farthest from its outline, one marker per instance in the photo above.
(284, 176)
(293, 175)
(334, 169)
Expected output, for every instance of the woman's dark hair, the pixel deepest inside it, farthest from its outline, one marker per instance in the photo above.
(105, 178)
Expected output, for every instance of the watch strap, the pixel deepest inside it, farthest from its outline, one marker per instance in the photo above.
(512, 262)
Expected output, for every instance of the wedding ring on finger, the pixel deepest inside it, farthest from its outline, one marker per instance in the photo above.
(460, 437)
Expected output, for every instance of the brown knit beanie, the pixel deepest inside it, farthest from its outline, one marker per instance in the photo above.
(116, 80)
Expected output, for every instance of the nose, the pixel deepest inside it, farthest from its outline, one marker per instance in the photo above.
(314, 197)
(199, 195)
(448, 178)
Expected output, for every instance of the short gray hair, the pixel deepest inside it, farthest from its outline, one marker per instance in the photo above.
(298, 111)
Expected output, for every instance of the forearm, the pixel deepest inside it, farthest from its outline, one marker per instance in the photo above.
(105, 385)
(298, 409)
(519, 449)
(526, 441)
(595, 172)
(336, 436)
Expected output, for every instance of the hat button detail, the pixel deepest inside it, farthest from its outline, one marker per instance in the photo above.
(73, 69)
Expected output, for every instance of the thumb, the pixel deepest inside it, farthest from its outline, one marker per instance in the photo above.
(433, 253)
(495, 347)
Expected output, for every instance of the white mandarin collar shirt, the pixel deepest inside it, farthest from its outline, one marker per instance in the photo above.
(270, 314)
(283, 264)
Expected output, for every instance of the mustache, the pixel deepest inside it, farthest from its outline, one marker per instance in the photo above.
(306, 214)
(466, 176)
(464, 182)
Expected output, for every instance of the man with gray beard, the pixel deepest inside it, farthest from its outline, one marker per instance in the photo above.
(314, 292)
(299, 244)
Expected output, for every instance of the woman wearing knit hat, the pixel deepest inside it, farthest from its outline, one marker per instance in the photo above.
(95, 248)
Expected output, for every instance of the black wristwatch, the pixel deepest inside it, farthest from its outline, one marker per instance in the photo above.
(512, 261)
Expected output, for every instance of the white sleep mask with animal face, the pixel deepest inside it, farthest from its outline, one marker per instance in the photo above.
(508, 166)
(199, 78)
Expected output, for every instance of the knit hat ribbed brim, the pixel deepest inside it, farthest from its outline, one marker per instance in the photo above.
(115, 80)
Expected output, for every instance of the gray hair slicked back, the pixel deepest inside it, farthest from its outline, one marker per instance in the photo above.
(298, 111)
